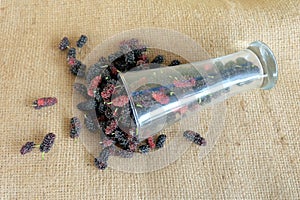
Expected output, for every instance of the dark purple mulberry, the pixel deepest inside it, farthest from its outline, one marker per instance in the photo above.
(115, 56)
(144, 149)
(97, 95)
(75, 127)
(99, 164)
(103, 61)
(111, 127)
(101, 161)
(161, 139)
(112, 81)
(72, 53)
(78, 69)
(28, 147)
(94, 71)
(121, 138)
(194, 137)
(174, 62)
(108, 113)
(158, 59)
(124, 153)
(124, 117)
(144, 100)
(130, 58)
(87, 105)
(47, 143)
(105, 74)
(82, 41)
(64, 44)
(102, 107)
(106, 142)
(90, 123)
(81, 89)
(133, 143)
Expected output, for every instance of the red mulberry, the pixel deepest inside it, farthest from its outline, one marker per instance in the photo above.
(44, 102)
(111, 127)
(108, 91)
(120, 101)
(160, 97)
(93, 85)
(107, 142)
(184, 84)
(151, 142)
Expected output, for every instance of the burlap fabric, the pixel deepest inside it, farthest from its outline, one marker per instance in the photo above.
(257, 156)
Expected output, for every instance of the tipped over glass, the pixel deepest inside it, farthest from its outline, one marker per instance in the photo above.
(169, 99)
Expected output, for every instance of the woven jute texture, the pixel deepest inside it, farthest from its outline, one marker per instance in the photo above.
(257, 155)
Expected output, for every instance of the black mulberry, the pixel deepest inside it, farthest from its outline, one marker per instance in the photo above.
(90, 123)
(144, 149)
(87, 105)
(47, 143)
(101, 161)
(28, 147)
(78, 69)
(82, 41)
(124, 153)
(81, 89)
(158, 59)
(174, 62)
(72, 53)
(194, 137)
(75, 127)
(161, 139)
(64, 44)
